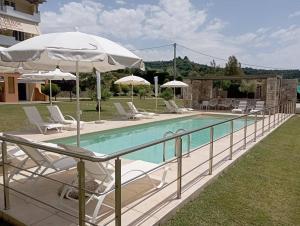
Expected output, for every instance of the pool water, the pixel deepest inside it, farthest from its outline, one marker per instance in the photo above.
(111, 141)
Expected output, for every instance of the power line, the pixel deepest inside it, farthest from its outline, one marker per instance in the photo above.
(153, 47)
(222, 59)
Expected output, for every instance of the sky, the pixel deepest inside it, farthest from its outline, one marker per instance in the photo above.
(258, 32)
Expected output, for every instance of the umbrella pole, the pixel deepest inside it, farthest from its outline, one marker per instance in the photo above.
(50, 85)
(174, 94)
(77, 105)
(132, 93)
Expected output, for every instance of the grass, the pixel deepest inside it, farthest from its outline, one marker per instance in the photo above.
(13, 117)
(261, 189)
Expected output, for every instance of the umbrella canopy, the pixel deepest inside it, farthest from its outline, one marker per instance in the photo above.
(133, 81)
(71, 51)
(46, 52)
(57, 74)
(174, 84)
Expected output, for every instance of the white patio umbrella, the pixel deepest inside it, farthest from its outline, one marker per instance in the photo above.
(133, 81)
(57, 74)
(174, 84)
(71, 51)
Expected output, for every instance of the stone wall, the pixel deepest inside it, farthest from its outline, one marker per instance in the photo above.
(199, 89)
(273, 92)
(289, 90)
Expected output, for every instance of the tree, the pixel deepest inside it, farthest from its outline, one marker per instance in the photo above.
(247, 87)
(233, 67)
(125, 89)
(46, 90)
(167, 94)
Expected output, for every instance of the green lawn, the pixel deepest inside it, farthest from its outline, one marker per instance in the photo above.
(261, 189)
(13, 117)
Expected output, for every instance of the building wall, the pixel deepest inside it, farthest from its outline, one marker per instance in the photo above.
(10, 93)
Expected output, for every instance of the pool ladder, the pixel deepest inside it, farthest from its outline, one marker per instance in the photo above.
(171, 133)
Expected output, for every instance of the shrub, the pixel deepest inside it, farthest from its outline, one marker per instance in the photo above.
(167, 94)
(46, 89)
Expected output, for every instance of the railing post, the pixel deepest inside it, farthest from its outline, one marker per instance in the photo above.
(81, 188)
(211, 150)
(278, 113)
(269, 126)
(263, 124)
(274, 116)
(231, 140)
(118, 192)
(179, 165)
(255, 126)
(245, 132)
(281, 113)
(5, 176)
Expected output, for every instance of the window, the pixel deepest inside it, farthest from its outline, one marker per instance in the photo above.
(10, 3)
(19, 35)
(11, 85)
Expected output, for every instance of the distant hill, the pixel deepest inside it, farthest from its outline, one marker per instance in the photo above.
(187, 68)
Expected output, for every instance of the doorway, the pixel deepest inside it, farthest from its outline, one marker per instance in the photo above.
(22, 91)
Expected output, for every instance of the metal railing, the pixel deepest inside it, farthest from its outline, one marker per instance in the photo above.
(283, 112)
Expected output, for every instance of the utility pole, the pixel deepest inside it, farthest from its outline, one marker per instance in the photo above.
(174, 61)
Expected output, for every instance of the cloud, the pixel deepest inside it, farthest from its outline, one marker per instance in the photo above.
(294, 14)
(121, 2)
(146, 25)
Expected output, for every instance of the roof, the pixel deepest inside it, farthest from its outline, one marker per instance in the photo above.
(36, 1)
(249, 77)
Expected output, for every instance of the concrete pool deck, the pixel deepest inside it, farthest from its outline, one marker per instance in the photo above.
(141, 204)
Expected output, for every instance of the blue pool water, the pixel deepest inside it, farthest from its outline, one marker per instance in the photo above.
(111, 141)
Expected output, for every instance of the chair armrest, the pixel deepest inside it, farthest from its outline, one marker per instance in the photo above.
(71, 117)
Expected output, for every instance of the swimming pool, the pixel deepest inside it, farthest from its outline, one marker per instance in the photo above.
(111, 141)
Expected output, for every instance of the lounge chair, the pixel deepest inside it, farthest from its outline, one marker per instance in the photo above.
(58, 117)
(172, 109)
(106, 180)
(35, 118)
(242, 107)
(225, 103)
(125, 114)
(213, 103)
(259, 107)
(134, 110)
(43, 161)
(172, 102)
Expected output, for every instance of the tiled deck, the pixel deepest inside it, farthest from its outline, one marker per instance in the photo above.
(141, 204)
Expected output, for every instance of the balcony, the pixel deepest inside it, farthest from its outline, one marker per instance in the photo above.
(10, 11)
(7, 40)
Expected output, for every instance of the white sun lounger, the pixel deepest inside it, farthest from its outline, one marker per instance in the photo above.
(58, 117)
(125, 114)
(35, 118)
(134, 110)
(172, 102)
(172, 109)
(43, 161)
(242, 107)
(99, 173)
(259, 107)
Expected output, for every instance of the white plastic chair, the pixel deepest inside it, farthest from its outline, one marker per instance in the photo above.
(172, 109)
(58, 117)
(134, 110)
(259, 107)
(43, 161)
(173, 104)
(125, 114)
(35, 118)
(99, 173)
(242, 107)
